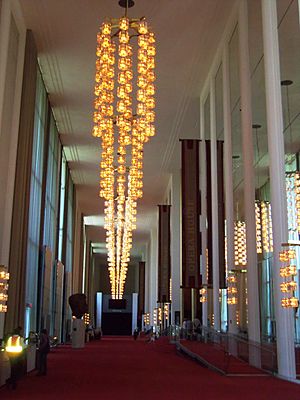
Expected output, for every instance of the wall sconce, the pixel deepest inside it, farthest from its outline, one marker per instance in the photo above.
(4, 278)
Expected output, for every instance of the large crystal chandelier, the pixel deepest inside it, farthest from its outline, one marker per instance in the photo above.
(124, 120)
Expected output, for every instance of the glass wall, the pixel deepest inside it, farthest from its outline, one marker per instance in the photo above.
(62, 199)
(220, 138)
(240, 279)
(50, 230)
(289, 49)
(70, 218)
(51, 225)
(52, 186)
(69, 255)
(34, 226)
(264, 241)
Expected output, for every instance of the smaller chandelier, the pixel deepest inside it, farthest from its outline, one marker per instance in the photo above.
(259, 249)
(146, 318)
(166, 311)
(4, 278)
(232, 291)
(288, 271)
(292, 180)
(240, 248)
(264, 229)
(203, 295)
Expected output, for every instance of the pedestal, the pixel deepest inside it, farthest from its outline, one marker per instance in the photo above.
(78, 334)
(31, 357)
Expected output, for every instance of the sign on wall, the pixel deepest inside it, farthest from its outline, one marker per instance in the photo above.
(164, 255)
(190, 214)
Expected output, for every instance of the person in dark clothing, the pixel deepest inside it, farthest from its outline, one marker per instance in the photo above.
(44, 348)
(135, 333)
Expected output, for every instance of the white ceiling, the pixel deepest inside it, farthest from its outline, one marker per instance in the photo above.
(187, 33)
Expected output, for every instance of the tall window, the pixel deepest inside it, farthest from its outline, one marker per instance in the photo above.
(51, 201)
(35, 204)
(68, 255)
(63, 175)
(69, 242)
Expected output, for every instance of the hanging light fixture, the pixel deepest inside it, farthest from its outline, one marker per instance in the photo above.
(264, 228)
(232, 291)
(288, 271)
(240, 248)
(258, 227)
(263, 216)
(124, 120)
(146, 319)
(166, 311)
(292, 180)
(203, 295)
(155, 316)
(4, 278)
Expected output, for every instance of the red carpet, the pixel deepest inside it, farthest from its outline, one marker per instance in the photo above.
(119, 368)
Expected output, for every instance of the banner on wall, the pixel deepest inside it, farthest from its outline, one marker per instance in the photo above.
(164, 254)
(141, 305)
(190, 214)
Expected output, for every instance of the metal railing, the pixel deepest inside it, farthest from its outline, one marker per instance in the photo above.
(224, 352)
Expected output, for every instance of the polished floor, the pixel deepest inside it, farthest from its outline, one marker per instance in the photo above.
(121, 368)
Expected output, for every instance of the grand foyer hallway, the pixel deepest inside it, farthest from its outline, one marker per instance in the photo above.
(119, 368)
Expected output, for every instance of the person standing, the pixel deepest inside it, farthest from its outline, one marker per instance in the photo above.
(135, 333)
(44, 348)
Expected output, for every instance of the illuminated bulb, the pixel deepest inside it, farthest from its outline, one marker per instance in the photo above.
(143, 27)
(124, 23)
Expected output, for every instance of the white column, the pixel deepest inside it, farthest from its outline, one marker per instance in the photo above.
(229, 213)
(99, 297)
(147, 278)
(284, 317)
(153, 272)
(135, 297)
(214, 201)
(203, 219)
(175, 242)
(249, 183)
